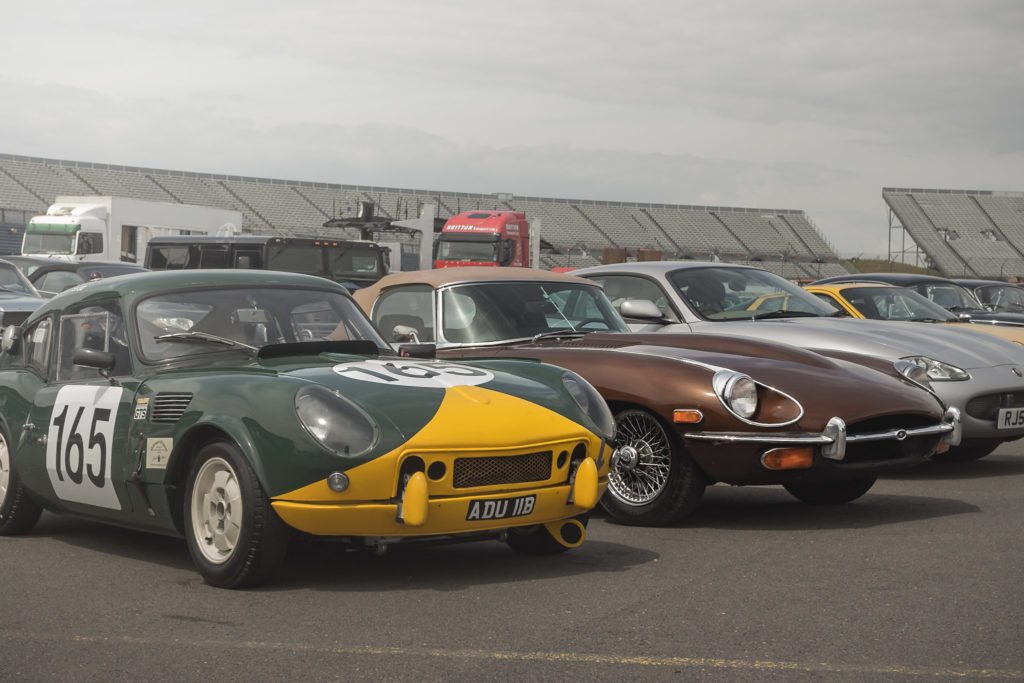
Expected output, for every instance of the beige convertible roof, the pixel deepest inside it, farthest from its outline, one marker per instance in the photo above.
(442, 276)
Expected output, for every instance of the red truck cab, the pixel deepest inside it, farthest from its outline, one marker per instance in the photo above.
(484, 238)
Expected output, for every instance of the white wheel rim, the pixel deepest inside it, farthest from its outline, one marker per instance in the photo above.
(5, 470)
(216, 510)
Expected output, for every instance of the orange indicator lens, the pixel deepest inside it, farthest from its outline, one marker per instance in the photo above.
(788, 458)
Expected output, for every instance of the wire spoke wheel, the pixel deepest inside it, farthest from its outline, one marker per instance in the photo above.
(654, 480)
(645, 459)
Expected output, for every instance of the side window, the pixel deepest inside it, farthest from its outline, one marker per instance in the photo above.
(168, 258)
(58, 280)
(827, 298)
(508, 251)
(96, 325)
(410, 306)
(214, 258)
(618, 288)
(36, 341)
(90, 243)
(247, 259)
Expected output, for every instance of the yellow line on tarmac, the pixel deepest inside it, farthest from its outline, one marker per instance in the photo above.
(552, 657)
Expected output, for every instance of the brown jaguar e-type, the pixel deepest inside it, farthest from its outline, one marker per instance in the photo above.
(690, 410)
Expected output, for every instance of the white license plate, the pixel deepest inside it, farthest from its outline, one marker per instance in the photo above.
(1010, 418)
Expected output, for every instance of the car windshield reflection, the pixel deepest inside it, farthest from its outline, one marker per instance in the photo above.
(718, 293)
(491, 312)
(183, 323)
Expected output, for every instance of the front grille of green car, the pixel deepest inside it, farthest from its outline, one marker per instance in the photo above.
(169, 407)
(504, 469)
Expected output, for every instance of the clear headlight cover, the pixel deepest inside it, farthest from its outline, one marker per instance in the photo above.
(738, 392)
(337, 423)
(914, 372)
(591, 402)
(938, 371)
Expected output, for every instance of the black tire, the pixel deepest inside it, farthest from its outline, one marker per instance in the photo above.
(233, 534)
(831, 492)
(968, 450)
(655, 481)
(537, 540)
(18, 512)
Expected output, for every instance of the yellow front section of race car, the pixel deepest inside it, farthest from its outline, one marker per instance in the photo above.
(467, 470)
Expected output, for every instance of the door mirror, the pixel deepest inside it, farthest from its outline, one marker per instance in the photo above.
(643, 309)
(404, 333)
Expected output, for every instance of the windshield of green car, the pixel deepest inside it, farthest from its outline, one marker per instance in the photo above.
(182, 323)
(895, 303)
(723, 293)
(489, 312)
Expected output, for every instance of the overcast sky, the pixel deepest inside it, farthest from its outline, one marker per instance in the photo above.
(793, 104)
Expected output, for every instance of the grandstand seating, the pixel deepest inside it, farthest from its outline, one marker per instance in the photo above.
(964, 233)
(573, 232)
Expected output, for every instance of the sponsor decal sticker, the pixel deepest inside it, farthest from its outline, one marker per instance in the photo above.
(428, 374)
(141, 409)
(158, 451)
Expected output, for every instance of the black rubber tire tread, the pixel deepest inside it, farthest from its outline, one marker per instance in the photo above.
(968, 450)
(683, 489)
(18, 512)
(263, 540)
(537, 540)
(831, 492)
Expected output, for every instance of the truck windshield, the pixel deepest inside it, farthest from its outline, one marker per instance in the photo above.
(449, 249)
(48, 243)
(296, 258)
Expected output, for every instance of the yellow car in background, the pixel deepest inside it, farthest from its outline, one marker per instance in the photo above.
(889, 302)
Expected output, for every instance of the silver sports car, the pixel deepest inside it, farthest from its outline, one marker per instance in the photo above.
(980, 376)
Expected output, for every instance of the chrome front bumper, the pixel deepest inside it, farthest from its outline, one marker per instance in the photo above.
(833, 438)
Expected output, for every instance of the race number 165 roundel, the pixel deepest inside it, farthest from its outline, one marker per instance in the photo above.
(426, 374)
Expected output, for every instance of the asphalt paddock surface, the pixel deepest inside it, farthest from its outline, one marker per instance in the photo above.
(921, 579)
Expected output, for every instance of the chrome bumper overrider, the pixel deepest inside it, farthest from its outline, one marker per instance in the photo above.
(833, 438)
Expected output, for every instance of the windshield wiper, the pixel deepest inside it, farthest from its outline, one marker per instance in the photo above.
(563, 334)
(785, 314)
(204, 338)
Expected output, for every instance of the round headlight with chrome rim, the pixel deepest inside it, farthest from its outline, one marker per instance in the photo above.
(737, 391)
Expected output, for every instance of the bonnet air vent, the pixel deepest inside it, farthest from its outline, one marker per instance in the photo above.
(169, 407)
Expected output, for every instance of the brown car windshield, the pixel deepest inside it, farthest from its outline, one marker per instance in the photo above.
(187, 323)
(744, 293)
(489, 312)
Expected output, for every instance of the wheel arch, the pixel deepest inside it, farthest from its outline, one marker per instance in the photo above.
(188, 447)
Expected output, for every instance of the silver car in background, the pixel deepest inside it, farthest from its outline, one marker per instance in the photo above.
(982, 377)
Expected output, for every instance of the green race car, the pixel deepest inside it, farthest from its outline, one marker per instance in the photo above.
(233, 407)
